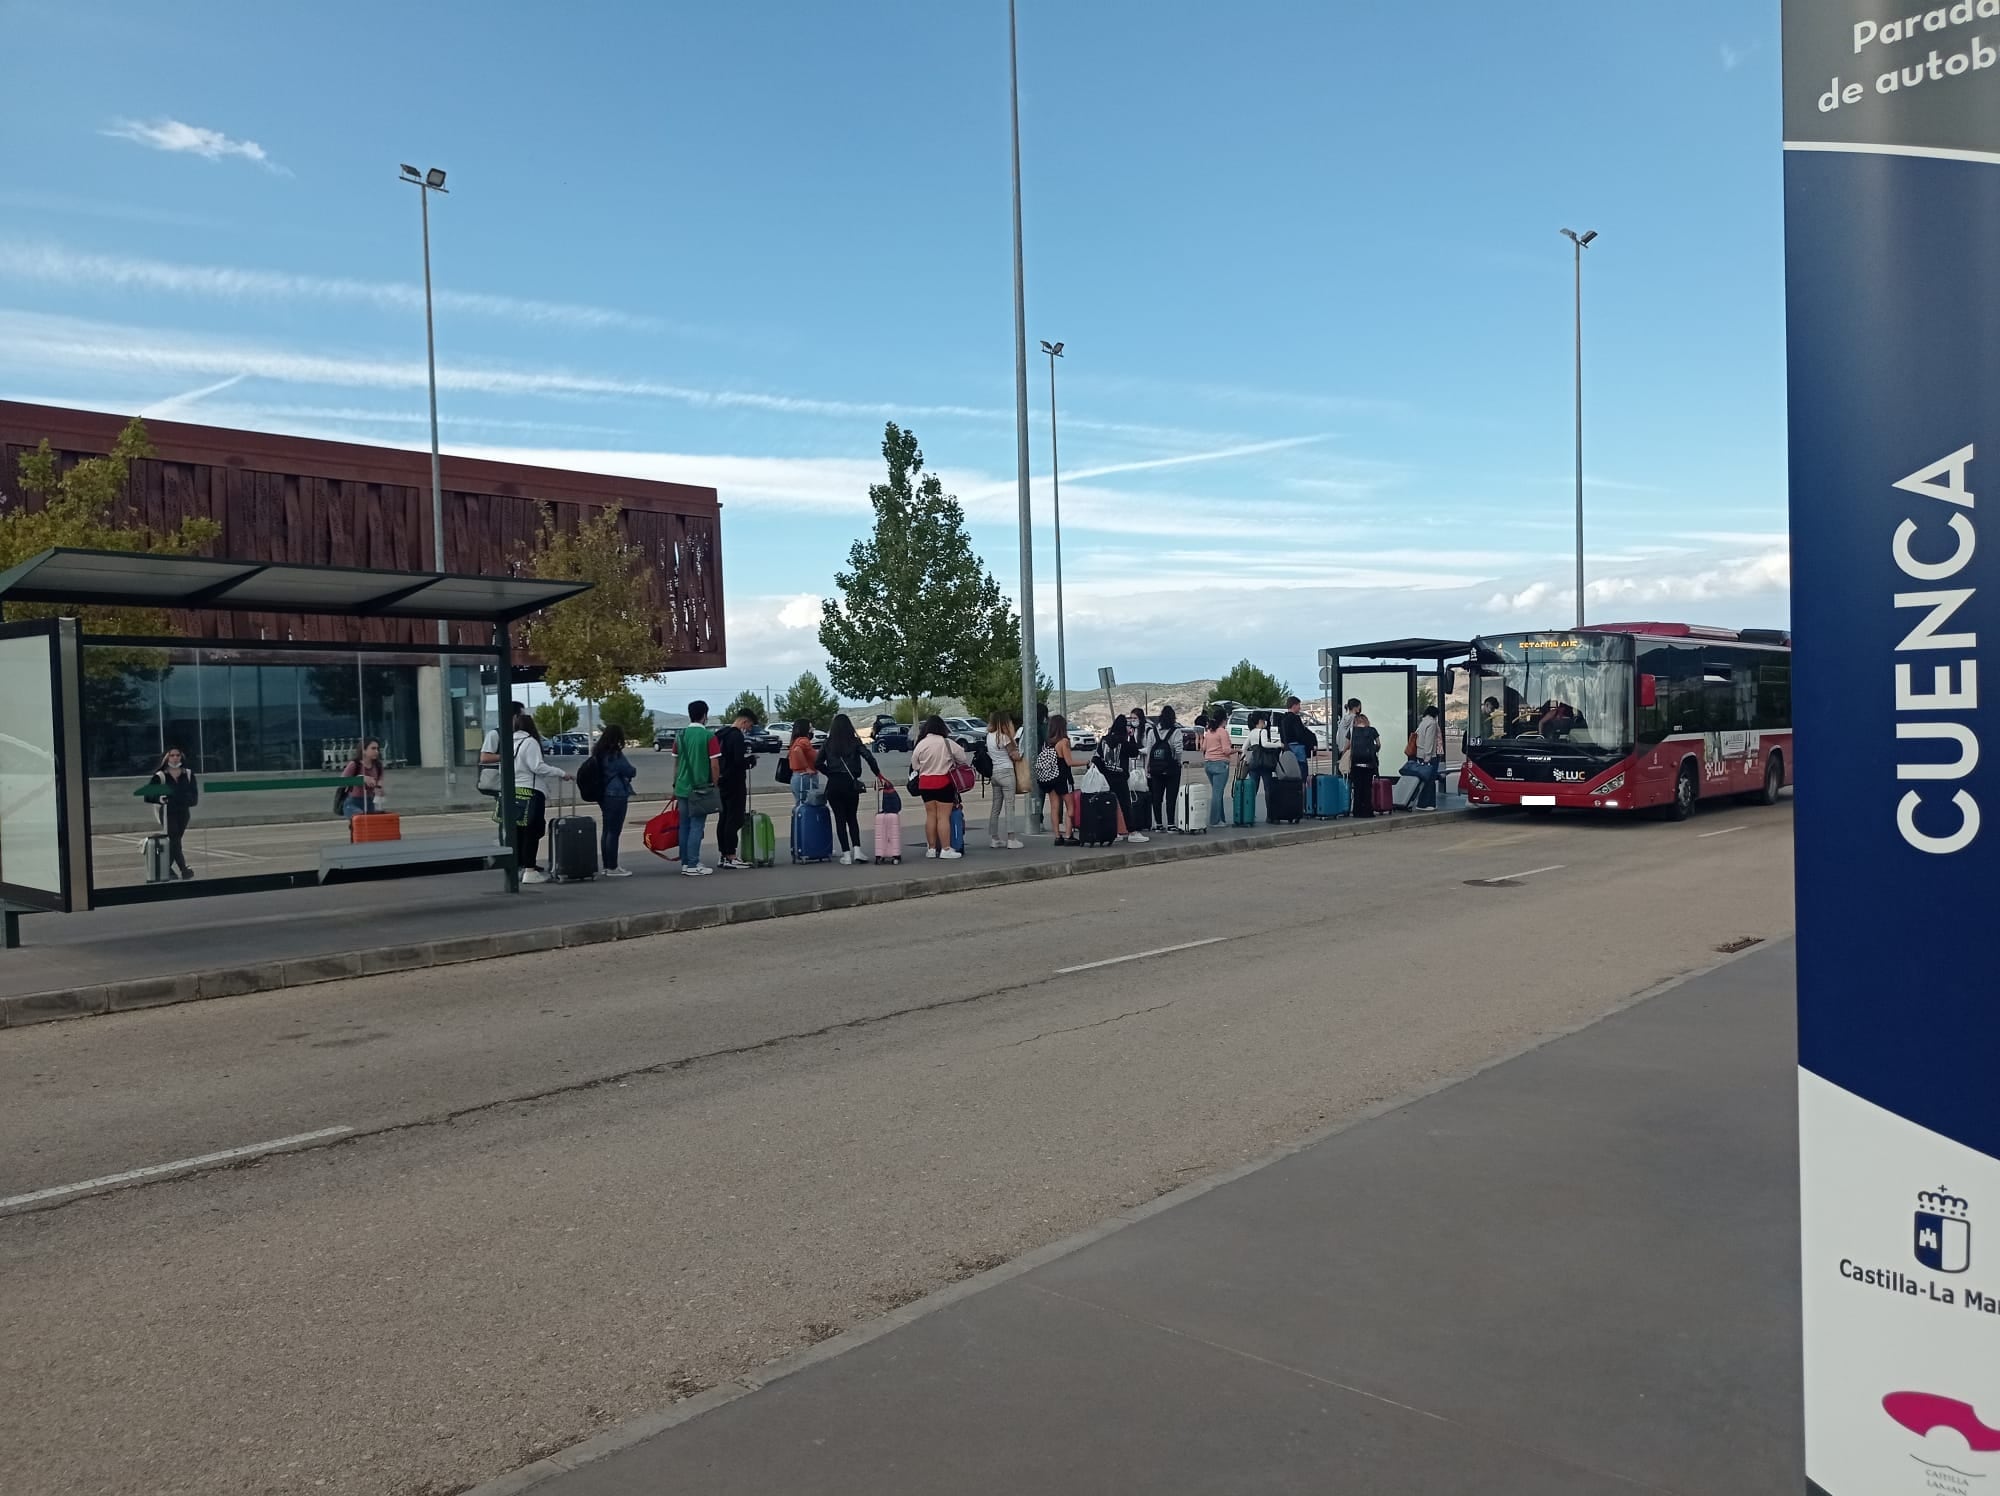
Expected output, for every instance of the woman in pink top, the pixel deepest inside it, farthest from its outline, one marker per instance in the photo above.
(1217, 753)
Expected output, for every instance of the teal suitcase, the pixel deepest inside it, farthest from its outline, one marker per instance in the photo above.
(1243, 803)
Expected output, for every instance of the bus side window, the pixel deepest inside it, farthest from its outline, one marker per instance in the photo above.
(1774, 695)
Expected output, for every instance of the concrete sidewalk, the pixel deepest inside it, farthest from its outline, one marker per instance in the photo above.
(183, 950)
(1575, 1274)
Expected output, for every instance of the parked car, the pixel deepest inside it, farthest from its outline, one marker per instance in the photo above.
(967, 732)
(567, 745)
(895, 738)
(664, 739)
(883, 723)
(1082, 739)
(764, 739)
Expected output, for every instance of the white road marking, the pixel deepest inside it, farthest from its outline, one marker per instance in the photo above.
(154, 1171)
(1165, 950)
(1554, 867)
(1723, 832)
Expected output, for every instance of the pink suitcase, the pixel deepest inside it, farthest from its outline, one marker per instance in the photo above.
(889, 829)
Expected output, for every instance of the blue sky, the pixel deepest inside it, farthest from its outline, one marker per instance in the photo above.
(1304, 256)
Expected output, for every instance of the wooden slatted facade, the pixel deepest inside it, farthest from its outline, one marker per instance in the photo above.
(281, 498)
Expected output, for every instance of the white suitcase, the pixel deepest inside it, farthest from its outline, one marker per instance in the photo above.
(1407, 788)
(1191, 808)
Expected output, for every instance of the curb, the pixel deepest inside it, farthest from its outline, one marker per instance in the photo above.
(639, 1429)
(272, 976)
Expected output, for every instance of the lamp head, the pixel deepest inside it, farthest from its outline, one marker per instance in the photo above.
(1054, 350)
(412, 173)
(1589, 234)
(434, 178)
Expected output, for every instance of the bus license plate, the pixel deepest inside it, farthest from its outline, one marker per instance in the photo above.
(1538, 799)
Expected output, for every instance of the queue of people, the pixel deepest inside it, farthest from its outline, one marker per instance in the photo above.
(1139, 761)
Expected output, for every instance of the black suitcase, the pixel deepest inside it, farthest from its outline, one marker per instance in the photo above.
(572, 848)
(1138, 807)
(1286, 800)
(1099, 821)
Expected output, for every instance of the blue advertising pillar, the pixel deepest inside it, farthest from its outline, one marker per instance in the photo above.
(1892, 268)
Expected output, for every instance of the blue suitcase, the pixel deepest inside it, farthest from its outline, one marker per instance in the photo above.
(957, 827)
(1328, 797)
(812, 833)
(1243, 802)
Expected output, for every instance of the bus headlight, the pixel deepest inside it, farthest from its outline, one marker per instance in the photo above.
(1610, 786)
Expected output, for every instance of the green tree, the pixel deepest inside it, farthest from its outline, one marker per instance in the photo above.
(917, 610)
(998, 689)
(593, 643)
(85, 507)
(623, 708)
(807, 700)
(552, 717)
(1426, 696)
(1251, 686)
(746, 701)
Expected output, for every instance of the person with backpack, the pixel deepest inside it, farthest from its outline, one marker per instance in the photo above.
(734, 762)
(605, 779)
(1162, 766)
(1114, 758)
(1003, 752)
(696, 754)
(1054, 777)
(839, 762)
(1364, 748)
(931, 765)
(489, 755)
(1427, 745)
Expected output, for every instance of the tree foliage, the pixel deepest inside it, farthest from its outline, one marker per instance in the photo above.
(624, 708)
(746, 701)
(917, 611)
(552, 717)
(82, 507)
(593, 643)
(1251, 686)
(998, 689)
(807, 700)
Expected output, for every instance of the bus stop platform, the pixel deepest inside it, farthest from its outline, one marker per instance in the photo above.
(1574, 1274)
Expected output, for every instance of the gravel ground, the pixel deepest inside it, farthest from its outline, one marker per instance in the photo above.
(713, 1173)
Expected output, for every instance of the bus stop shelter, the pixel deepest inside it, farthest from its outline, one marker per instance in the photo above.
(1383, 675)
(45, 804)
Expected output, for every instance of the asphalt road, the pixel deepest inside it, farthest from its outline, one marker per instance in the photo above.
(578, 1185)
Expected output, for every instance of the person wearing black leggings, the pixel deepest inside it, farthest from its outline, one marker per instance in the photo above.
(1163, 768)
(840, 761)
(177, 797)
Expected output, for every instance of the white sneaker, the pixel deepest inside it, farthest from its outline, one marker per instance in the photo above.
(534, 875)
(1015, 844)
(1138, 836)
(997, 845)
(930, 852)
(734, 864)
(948, 854)
(846, 859)
(693, 872)
(618, 872)
(703, 870)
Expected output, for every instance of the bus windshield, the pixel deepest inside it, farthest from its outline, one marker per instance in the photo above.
(1545, 688)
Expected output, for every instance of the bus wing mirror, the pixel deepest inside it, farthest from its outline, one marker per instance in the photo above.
(1649, 691)
(1451, 683)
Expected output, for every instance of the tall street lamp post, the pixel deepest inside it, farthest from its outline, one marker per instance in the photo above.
(427, 182)
(1582, 242)
(1054, 351)
(1030, 727)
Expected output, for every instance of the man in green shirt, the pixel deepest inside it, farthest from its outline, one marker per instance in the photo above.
(696, 754)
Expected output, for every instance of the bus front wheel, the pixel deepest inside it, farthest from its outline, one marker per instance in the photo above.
(1774, 781)
(1687, 789)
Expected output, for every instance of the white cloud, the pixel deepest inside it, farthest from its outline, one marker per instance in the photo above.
(191, 140)
(54, 264)
(1741, 576)
(802, 612)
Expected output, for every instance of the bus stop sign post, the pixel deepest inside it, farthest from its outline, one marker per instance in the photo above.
(1104, 679)
(1892, 197)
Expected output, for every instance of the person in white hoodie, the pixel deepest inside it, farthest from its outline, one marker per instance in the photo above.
(534, 779)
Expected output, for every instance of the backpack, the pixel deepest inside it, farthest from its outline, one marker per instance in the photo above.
(590, 778)
(982, 762)
(1163, 756)
(1048, 768)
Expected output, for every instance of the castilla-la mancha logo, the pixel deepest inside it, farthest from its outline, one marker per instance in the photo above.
(1943, 1231)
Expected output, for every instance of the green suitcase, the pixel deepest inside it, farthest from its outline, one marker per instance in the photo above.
(762, 840)
(1243, 803)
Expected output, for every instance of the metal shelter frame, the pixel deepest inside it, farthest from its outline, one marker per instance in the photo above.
(67, 576)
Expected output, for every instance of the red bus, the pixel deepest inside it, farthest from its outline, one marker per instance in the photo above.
(1629, 716)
